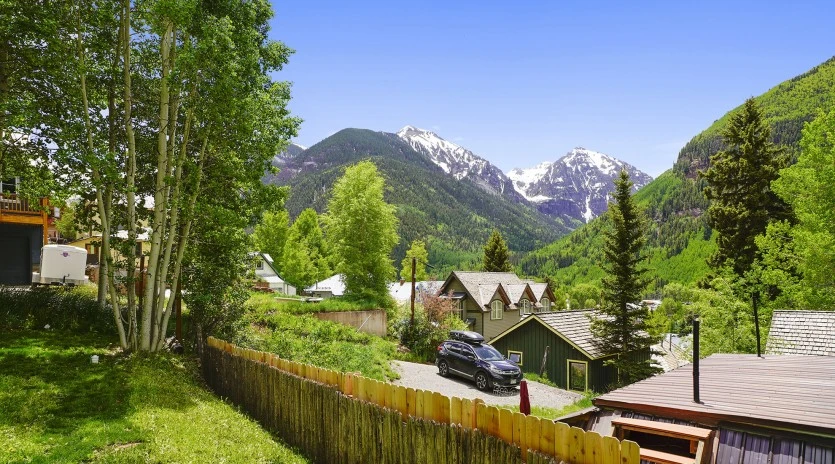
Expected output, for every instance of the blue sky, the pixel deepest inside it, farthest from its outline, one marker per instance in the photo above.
(519, 83)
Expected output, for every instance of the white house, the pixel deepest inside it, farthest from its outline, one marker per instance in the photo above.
(265, 271)
(328, 288)
(402, 291)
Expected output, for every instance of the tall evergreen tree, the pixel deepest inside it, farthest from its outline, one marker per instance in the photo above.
(622, 326)
(742, 203)
(496, 254)
(306, 259)
(362, 230)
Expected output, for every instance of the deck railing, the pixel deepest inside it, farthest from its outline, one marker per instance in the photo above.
(15, 204)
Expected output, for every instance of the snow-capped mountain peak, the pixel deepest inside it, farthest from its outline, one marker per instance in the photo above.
(458, 161)
(575, 186)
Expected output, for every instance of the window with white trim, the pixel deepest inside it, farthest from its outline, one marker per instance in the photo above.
(524, 306)
(496, 310)
(515, 356)
(546, 303)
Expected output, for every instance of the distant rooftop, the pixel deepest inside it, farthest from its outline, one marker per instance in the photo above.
(802, 332)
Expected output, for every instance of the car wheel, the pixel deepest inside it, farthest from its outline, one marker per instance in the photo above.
(481, 381)
(443, 368)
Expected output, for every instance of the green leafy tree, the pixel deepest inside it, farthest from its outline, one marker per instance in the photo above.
(622, 326)
(417, 251)
(171, 100)
(584, 296)
(306, 258)
(270, 234)
(808, 186)
(362, 231)
(496, 254)
(742, 203)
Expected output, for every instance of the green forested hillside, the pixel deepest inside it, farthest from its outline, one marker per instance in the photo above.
(454, 217)
(680, 239)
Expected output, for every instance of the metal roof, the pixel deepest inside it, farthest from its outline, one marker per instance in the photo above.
(802, 332)
(791, 392)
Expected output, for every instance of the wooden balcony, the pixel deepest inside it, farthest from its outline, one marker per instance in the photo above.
(18, 210)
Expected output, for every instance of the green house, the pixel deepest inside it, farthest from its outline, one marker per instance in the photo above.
(573, 360)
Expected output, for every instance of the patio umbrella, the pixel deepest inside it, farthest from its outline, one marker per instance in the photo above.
(524, 400)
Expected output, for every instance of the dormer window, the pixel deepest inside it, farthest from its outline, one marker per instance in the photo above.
(546, 303)
(496, 310)
(259, 264)
(524, 306)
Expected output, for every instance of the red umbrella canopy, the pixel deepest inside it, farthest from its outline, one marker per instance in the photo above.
(524, 399)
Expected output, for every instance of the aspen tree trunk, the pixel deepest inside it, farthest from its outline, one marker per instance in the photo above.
(130, 176)
(151, 291)
(97, 179)
(185, 233)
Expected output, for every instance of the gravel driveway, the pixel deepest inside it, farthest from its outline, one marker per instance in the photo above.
(426, 377)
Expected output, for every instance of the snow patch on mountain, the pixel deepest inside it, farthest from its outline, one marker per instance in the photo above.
(575, 186)
(457, 161)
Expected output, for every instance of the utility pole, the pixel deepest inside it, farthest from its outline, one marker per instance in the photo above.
(414, 264)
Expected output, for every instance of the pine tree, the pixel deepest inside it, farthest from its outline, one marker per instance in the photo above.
(362, 231)
(622, 326)
(742, 203)
(417, 251)
(496, 254)
(738, 187)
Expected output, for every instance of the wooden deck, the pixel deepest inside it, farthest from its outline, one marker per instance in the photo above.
(17, 210)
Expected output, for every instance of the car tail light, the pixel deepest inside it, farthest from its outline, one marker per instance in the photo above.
(441, 347)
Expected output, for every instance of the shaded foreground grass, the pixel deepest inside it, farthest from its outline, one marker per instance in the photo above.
(55, 406)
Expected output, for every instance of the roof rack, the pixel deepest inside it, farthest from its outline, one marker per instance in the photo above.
(466, 336)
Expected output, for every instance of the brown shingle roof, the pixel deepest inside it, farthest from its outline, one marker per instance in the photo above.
(538, 289)
(472, 281)
(516, 291)
(772, 391)
(575, 326)
(802, 332)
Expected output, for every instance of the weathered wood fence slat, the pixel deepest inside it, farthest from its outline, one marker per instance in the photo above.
(335, 417)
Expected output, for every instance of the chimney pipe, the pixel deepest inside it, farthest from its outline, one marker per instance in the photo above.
(696, 323)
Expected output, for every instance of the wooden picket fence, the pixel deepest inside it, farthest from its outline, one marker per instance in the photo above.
(335, 417)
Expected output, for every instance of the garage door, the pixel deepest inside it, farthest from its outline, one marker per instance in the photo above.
(15, 261)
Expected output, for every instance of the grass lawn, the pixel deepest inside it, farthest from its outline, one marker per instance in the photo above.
(304, 338)
(554, 413)
(57, 407)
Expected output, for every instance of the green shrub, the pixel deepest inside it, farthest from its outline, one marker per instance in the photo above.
(60, 308)
(426, 334)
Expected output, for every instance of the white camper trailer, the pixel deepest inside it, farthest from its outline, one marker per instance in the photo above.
(61, 264)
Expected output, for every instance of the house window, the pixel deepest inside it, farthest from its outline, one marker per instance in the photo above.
(259, 264)
(546, 304)
(496, 310)
(578, 379)
(9, 185)
(524, 306)
(515, 356)
(459, 305)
